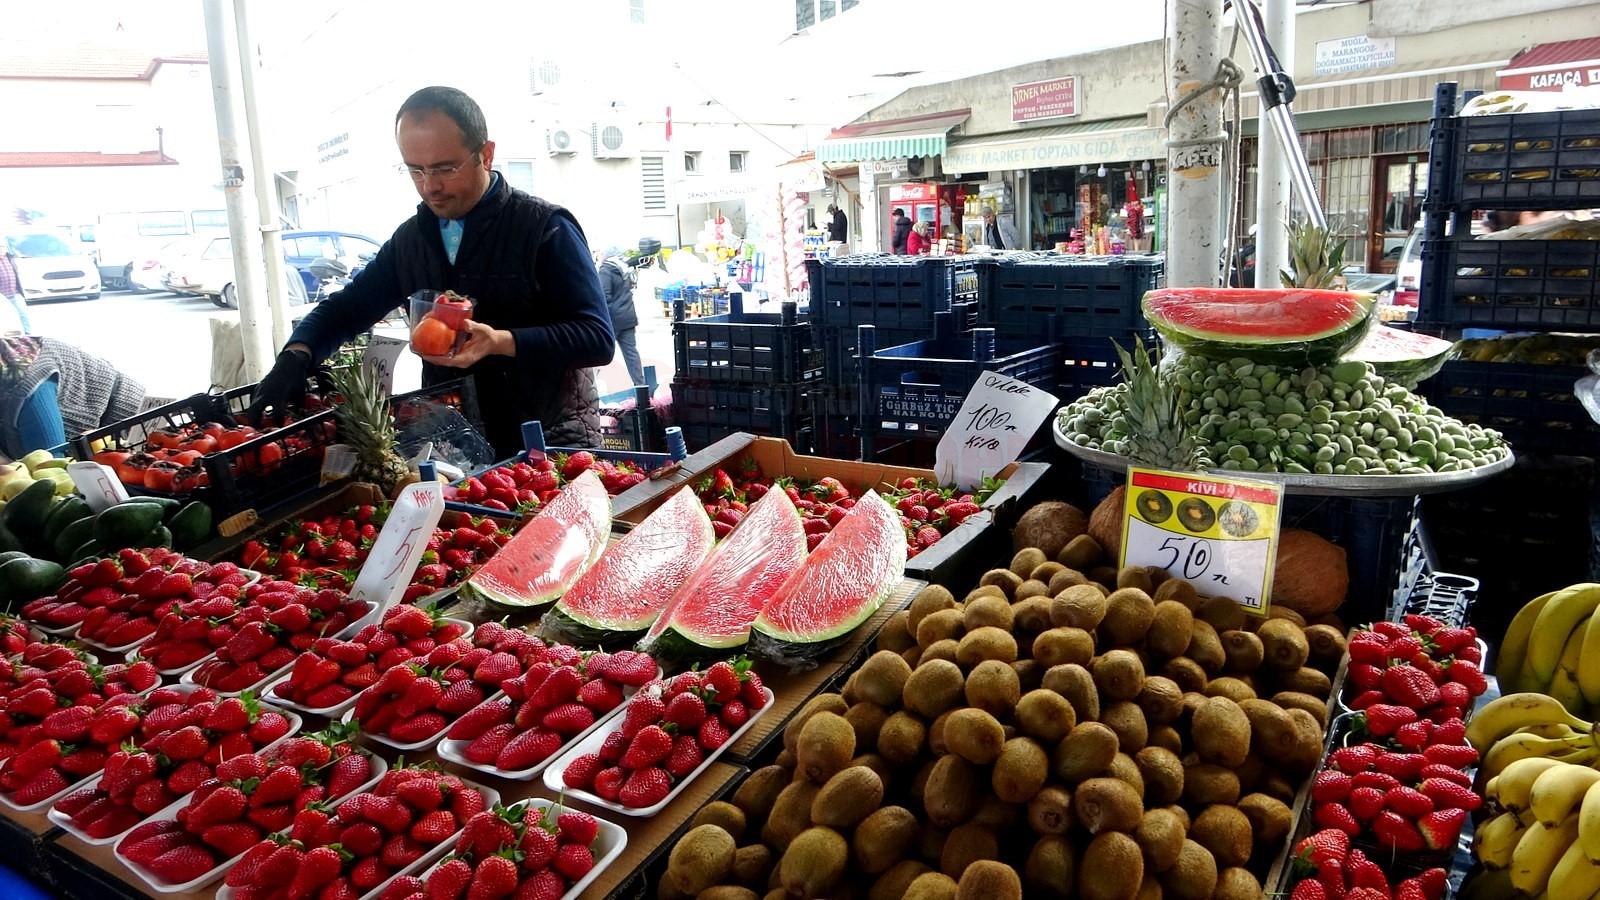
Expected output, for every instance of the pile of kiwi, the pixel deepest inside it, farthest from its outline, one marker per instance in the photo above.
(1064, 730)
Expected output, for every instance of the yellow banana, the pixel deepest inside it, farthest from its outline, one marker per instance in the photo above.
(1496, 838)
(1557, 792)
(1574, 877)
(1563, 613)
(1504, 715)
(1564, 683)
(1550, 730)
(1515, 782)
(1538, 852)
(1578, 749)
(1589, 662)
(1514, 646)
(1589, 824)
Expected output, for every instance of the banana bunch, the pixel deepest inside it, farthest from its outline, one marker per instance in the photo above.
(1546, 842)
(1553, 646)
(1530, 725)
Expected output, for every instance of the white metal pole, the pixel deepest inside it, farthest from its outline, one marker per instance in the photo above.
(266, 187)
(1272, 172)
(242, 224)
(1195, 140)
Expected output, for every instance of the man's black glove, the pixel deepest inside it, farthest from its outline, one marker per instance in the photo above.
(284, 386)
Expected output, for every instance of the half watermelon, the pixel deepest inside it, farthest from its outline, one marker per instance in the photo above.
(1403, 357)
(710, 615)
(1289, 326)
(624, 593)
(842, 583)
(548, 555)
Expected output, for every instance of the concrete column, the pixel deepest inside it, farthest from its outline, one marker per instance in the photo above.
(1194, 154)
(266, 190)
(1272, 173)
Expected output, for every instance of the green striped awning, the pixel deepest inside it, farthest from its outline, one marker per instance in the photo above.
(890, 140)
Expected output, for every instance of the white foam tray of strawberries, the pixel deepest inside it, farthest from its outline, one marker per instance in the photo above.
(270, 695)
(252, 575)
(554, 775)
(425, 861)
(423, 744)
(133, 655)
(609, 842)
(6, 800)
(170, 812)
(282, 672)
(456, 751)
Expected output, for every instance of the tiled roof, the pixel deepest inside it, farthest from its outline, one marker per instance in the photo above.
(86, 63)
(73, 158)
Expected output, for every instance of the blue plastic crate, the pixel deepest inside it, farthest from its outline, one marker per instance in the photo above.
(1532, 405)
(746, 348)
(893, 291)
(1078, 296)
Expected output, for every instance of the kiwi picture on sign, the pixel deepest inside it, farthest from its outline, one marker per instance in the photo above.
(1238, 519)
(1154, 507)
(1196, 515)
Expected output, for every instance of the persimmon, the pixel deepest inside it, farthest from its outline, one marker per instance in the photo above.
(432, 337)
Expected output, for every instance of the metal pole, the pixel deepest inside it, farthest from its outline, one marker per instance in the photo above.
(1277, 92)
(266, 188)
(242, 223)
(1272, 173)
(1194, 151)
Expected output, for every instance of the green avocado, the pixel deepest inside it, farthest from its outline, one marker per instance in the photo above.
(126, 524)
(72, 535)
(27, 579)
(88, 551)
(9, 555)
(8, 541)
(169, 506)
(159, 536)
(26, 511)
(191, 525)
(61, 515)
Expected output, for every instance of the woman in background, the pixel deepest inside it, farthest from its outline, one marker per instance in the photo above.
(917, 241)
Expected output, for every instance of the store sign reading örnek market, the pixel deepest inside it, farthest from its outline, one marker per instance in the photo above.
(1045, 151)
(1053, 98)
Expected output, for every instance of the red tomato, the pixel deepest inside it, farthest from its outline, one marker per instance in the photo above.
(200, 443)
(186, 480)
(185, 457)
(160, 475)
(212, 429)
(131, 470)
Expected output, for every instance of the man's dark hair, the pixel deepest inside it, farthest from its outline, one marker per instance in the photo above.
(898, 211)
(461, 109)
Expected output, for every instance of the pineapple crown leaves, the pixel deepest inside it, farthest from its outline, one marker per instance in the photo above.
(1159, 437)
(1316, 257)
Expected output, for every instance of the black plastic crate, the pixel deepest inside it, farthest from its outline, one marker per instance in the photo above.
(893, 291)
(1083, 297)
(1089, 363)
(1532, 405)
(746, 348)
(708, 413)
(835, 436)
(839, 353)
(1548, 160)
(1550, 285)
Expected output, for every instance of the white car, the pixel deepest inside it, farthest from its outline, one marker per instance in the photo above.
(205, 268)
(50, 268)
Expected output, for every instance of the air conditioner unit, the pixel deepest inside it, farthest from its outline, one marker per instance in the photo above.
(543, 75)
(560, 141)
(611, 139)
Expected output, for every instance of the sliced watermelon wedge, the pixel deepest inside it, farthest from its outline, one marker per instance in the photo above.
(624, 593)
(711, 613)
(550, 553)
(1289, 326)
(842, 583)
(1403, 357)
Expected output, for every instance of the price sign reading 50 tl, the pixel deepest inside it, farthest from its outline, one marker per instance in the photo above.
(1221, 534)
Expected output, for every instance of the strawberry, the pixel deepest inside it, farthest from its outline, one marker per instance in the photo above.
(1337, 815)
(1441, 828)
(648, 747)
(486, 833)
(573, 861)
(1467, 674)
(713, 733)
(485, 748)
(578, 827)
(1447, 773)
(646, 708)
(476, 721)
(608, 783)
(1408, 802)
(722, 680)
(1330, 786)
(1432, 883)
(1396, 834)
(686, 755)
(496, 876)
(568, 719)
(401, 851)
(1413, 735)
(434, 828)
(1448, 794)
(247, 765)
(631, 668)
(418, 728)
(1363, 872)
(1309, 890)
(1365, 803)
(450, 880)
(231, 838)
(600, 695)
(528, 748)
(460, 697)
(1409, 686)
(369, 873)
(686, 711)
(1351, 760)
(181, 864)
(1384, 719)
(1403, 766)
(1380, 780)
(645, 787)
(225, 804)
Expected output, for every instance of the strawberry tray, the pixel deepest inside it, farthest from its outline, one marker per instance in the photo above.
(188, 676)
(133, 654)
(423, 744)
(50, 801)
(554, 775)
(270, 695)
(251, 575)
(609, 842)
(379, 767)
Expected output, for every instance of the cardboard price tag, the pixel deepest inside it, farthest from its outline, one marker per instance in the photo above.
(380, 357)
(1219, 533)
(990, 430)
(399, 546)
(98, 484)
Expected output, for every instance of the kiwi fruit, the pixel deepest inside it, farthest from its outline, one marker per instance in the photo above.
(1270, 818)
(1050, 868)
(701, 858)
(1107, 804)
(988, 612)
(1306, 681)
(982, 590)
(1062, 645)
(752, 864)
(1124, 769)
(1275, 784)
(953, 791)
(1045, 571)
(986, 879)
(1272, 733)
(974, 735)
(814, 863)
(1129, 614)
(994, 687)
(1243, 651)
(1167, 738)
(965, 845)
(791, 814)
(886, 770)
(1160, 835)
(1106, 576)
(1118, 674)
(1030, 674)
(867, 719)
(1221, 731)
(1295, 700)
(1178, 590)
(1048, 526)
(986, 643)
(724, 815)
(1222, 614)
(785, 758)
(997, 814)
(1237, 883)
(882, 678)
(928, 600)
(1205, 784)
(1169, 629)
(1250, 772)
(1079, 606)
(1162, 772)
(895, 636)
(1193, 876)
(932, 886)
(919, 781)
(1205, 648)
(1085, 752)
(1045, 715)
(1064, 579)
(935, 686)
(1111, 868)
(833, 703)
(826, 745)
(945, 650)
(847, 798)
(901, 738)
(759, 791)
(1225, 831)
(1185, 673)
(1050, 810)
(1288, 615)
(936, 741)
(895, 883)
(912, 656)
(1081, 553)
(1137, 577)
(884, 838)
(1236, 689)
(1326, 645)
(1308, 743)
(1161, 700)
(727, 892)
(1020, 770)
(1126, 719)
(1074, 682)
(938, 626)
(1004, 579)
(1026, 560)
(1284, 645)
(1031, 616)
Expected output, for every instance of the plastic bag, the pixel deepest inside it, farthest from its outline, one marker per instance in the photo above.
(454, 439)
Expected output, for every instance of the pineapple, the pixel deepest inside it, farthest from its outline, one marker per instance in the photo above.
(1316, 259)
(1153, 416)
(367, 427)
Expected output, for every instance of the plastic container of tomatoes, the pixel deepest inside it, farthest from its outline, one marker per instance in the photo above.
(439, 321)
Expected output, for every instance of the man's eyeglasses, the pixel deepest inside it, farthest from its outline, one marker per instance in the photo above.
(438, 173)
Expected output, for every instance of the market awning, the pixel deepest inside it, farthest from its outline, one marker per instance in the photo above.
(1386, 87)
(1551, 67)
(893, 139)
(1077, 144)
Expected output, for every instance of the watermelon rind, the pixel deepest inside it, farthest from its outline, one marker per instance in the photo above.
(1283, 326)
(1404, 357)
(579, 518)
(871, 536)
(557, 627)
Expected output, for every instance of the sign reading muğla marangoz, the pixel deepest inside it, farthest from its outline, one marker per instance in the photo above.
(1049, 99)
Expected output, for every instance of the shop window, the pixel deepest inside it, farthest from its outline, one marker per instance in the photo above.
(847, 5)
(736, 161)
(653, 171)
(161, 224)
(210, 220)
(518, 173)
(826, 9)
(636, 11)
(805, 14)
(691, 163)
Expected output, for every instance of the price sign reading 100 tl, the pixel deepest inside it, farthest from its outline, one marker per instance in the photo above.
(1220, 534)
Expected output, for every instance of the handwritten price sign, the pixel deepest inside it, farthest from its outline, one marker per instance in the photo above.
(97, 483)
(399, 546)
(988, 433)
(1221, 534)
(380, 357)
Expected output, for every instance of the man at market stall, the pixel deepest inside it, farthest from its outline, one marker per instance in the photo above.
(540, 323)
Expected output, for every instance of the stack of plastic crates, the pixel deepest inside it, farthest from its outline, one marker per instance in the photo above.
(739, 371)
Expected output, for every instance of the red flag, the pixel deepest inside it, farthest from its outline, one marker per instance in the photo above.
(669, 124)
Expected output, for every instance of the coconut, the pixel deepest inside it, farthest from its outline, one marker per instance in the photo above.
(1311, 577)
(1105, 523)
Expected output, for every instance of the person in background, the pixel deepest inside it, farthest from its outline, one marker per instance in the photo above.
(50, 390)
(14, 312)
(617, 279)
(917, 241)
(991, 231)
(838, 226)
(540, 323)
(899, 231)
